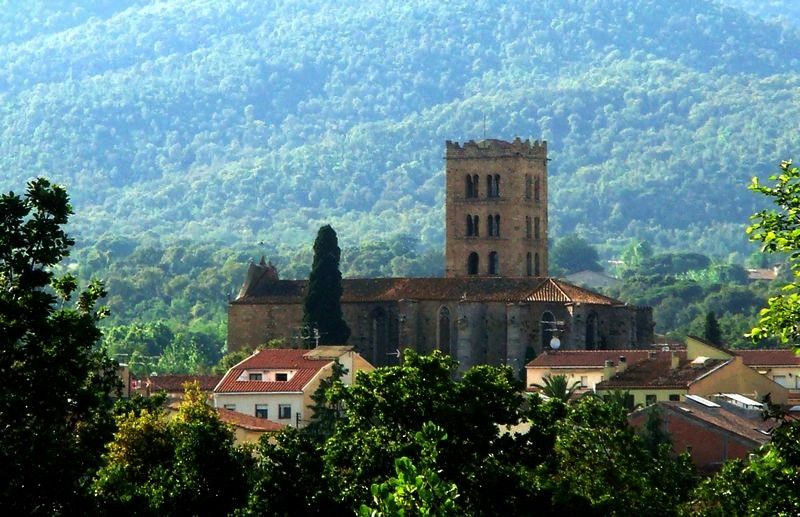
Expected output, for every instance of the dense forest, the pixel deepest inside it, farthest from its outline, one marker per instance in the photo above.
(194, 136)
(250, 121)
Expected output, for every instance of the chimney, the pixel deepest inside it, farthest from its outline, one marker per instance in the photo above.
(608, 369)
(623, 363)
(674, 361)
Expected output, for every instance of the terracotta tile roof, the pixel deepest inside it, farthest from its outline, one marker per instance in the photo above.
(657, 373)
(735, 423)
(585, 358)
(261, 289)
(251, 423)
(782, 357)
(299, 361)
(174, 383)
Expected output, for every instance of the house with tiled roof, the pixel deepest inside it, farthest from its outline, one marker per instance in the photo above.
(173, 384)
(702, 369)
(248, 428)
(585, 367)
(277, 384)
(781, 365)
(496, 303)
(712, 430)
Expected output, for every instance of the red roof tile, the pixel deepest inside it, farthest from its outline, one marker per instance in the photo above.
(299, 361)
(260, 288)
(782, 357)
(724, 419)
(658, 373)
(585, 358)
(174, 383)
(251, 423)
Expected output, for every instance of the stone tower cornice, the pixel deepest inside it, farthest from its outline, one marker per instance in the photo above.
(492, 148)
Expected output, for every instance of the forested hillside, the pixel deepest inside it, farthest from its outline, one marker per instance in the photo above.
(254, 121)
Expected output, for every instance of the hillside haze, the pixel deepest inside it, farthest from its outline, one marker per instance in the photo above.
(254, 121)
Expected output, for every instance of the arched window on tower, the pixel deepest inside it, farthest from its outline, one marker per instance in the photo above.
(496, 185)
(527, 186)
(475, 182)
(494, 263)
(470, 228)
(497, 225)
(536, 189)
(476, 226)
(536, 270)
(470, 192)
(444, 330)
(536, 228)
(489, 186)
(473, 262)
(529, 264)
(490, 225)
(528, 232)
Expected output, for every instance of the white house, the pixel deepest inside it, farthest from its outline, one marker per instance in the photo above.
(277, 384)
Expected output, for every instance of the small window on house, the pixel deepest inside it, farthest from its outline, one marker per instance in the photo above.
(231, 407)
(262, 411)
(281, 377)
(255, 377)
(780, 379)
(649, 400)
(584, 381)
(284, 411)
(675, 398)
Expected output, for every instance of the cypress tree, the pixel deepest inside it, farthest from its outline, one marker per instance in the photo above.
(712, 332)
(322, 307)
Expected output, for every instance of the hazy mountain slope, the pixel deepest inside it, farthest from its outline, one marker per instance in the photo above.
(253, 121)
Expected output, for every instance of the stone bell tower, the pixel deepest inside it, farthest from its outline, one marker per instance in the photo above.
(496, 208)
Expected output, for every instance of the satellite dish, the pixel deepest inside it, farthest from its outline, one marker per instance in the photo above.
(555, 343)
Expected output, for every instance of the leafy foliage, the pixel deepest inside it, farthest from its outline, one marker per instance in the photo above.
(322, 305)
(55, 385)
(228, 121)
(557, 387)
(573, 253)
(187, 465)
(779, 231)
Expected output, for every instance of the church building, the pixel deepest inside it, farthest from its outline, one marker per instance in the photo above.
(496, 303)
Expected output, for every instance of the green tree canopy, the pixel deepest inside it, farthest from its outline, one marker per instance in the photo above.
(322, 305)
(573, 253)
(55, 385)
